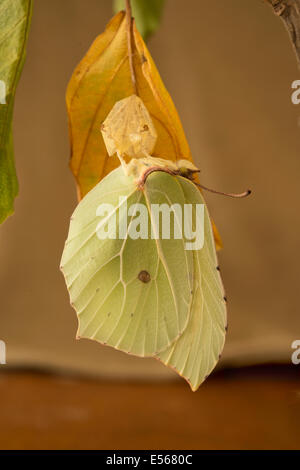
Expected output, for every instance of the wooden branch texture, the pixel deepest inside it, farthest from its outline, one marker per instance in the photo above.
(289, 12)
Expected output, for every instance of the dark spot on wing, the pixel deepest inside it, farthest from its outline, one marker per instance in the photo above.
(144, 276)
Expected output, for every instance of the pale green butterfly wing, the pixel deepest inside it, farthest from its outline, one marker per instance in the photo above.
(113, 304)
(197, 351)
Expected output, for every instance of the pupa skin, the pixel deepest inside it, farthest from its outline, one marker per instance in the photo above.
(128, 129)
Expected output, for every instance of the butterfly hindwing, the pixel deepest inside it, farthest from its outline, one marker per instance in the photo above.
(197, 351)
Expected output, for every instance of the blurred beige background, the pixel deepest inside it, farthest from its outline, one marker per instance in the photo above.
(229, 68)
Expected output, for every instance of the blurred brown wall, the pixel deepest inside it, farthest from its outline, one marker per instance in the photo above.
(229, 68)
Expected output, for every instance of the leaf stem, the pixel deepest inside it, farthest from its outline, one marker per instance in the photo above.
(129, 42)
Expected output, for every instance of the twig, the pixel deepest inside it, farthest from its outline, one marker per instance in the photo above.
(129, 42)
(289, 12)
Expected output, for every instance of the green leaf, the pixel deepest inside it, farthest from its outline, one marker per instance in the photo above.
(14, 25)
(147, 14)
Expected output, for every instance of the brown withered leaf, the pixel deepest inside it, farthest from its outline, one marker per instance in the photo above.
(102, 78)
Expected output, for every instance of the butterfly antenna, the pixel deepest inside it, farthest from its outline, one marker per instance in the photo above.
(238, 195)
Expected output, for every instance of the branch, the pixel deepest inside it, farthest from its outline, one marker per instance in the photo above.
(289, 12)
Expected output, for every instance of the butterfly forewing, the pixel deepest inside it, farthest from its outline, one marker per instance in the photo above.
(128, 293)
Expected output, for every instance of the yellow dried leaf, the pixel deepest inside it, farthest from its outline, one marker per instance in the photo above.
(102, 78)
